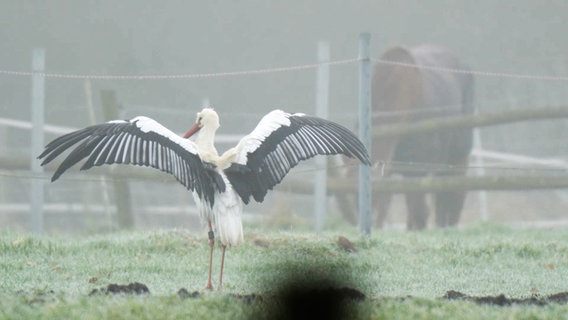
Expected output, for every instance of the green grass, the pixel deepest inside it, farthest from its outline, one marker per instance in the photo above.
(51, 276)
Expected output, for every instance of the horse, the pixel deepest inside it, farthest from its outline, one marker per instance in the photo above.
(403, 93)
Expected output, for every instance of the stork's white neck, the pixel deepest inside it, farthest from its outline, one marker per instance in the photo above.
(205, 141)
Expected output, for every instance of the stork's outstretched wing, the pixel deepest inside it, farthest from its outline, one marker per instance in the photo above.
(140, 141)
(278, 143)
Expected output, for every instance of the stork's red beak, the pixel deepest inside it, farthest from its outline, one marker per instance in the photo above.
(192, 131)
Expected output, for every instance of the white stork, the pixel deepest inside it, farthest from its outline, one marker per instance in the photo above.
(220, 184)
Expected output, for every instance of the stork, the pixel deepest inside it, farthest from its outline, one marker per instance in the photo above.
(221, 185)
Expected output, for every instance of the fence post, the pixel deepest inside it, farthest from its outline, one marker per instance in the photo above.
(124, 215)
(322, 111)
(37, 119)
(365, 131)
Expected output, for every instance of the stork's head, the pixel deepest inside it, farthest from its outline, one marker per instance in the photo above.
(207, 118)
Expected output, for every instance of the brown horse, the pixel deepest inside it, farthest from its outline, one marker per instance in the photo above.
(402, 94)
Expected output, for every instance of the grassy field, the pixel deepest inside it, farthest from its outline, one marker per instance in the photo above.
(404, 275)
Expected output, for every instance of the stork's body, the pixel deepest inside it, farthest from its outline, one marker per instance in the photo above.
(227, 208)
(221, 185)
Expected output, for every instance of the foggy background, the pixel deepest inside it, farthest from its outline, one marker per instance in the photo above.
(191, 37)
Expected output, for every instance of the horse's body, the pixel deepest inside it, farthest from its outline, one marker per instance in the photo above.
(403, 94)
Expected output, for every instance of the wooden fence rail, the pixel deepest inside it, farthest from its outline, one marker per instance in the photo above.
(435, 184)
(470, 121)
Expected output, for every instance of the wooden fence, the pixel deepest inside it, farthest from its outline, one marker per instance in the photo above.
(337, 185)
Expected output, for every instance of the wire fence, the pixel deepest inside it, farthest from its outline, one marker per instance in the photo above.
(269, 70)
(179, 76)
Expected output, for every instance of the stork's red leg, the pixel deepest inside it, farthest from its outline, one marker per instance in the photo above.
(223, 247)
(211, 246)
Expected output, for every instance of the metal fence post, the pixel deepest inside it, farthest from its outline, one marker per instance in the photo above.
(37, 119)
(365, 131)
(322, 111)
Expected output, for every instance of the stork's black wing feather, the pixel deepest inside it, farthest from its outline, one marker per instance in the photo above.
(279, 142)
(140, 141)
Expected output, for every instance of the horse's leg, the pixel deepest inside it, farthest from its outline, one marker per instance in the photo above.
(449, 204)
(382, 154)
(441, 204)
(417, 210)
(448, 207)
(344, 168)
(381, 201)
